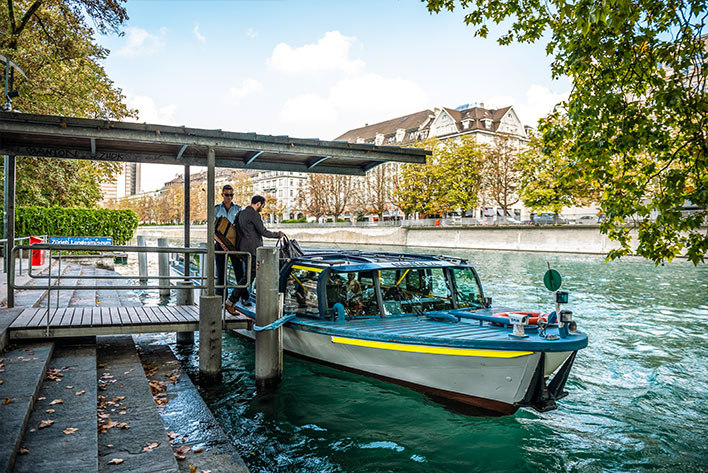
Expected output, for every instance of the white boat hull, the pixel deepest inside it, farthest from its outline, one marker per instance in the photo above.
(490, 379)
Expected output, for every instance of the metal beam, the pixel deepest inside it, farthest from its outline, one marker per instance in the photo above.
(317, 161)
(93, 147)
(181, 152)
(253, 158)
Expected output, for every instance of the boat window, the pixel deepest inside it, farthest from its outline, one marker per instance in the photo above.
(301, 293)
(355, 291)
(468, 291)
(414, 290)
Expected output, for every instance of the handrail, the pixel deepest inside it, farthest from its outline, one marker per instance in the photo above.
(54, 282)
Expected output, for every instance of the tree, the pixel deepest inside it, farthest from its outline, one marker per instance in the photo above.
(53, 43)
(326, 194)
(449, 181)
(634, 126)
(310, 197)
(500, 174)
(376, 194)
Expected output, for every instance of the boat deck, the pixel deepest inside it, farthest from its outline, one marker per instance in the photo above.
(422, 330)
(91, 321)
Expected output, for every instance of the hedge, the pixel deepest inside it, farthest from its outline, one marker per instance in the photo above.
(59, 221)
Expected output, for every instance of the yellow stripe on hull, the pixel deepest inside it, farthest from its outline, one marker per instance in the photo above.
(431, 350)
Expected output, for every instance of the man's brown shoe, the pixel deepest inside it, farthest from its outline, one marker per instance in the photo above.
(231, 309)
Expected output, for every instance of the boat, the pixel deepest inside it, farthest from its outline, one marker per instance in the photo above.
(424, 322)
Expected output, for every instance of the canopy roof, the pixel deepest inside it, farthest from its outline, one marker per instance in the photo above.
(23, 134)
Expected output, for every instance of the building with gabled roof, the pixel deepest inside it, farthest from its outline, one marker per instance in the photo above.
(443, 123)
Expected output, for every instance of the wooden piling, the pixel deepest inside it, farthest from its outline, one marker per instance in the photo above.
(269, 343)
(142, 261)
(163, 266)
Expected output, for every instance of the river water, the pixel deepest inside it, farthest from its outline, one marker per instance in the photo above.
(637, 394)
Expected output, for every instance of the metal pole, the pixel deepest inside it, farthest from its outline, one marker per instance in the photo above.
(142, 261)
(9, 223)
(269, 343)
(186, 296)
(163, 260)
(210, 304)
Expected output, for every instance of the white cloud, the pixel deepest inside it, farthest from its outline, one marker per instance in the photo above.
(331, 52)
(149, 112)
(248, 87)
(139, 41)
(539, 103)
(198, 34)
(378, 96)
(251, 33)
(308, 108)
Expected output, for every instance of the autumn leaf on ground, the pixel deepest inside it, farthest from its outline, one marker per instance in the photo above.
(45, 423)
(1, 381)
(179, 457)
(23, 451)
(56, 401)
(118, 399)
(70, 430)
(70, 387)
(115, 461)
(122, 425)
(197, 450)
(192, 469)
(172, 435)
(131, 369)
(7, 401)
(49, 411)
(41, 398)
(183, 449)
(81, 393)
(150, 445)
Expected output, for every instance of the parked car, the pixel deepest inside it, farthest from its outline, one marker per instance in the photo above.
(547, 218)
(588, 220)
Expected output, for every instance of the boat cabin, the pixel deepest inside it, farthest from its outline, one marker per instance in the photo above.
(355, 284)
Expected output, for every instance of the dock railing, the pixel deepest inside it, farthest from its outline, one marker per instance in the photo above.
(54, 281)
(3, 241)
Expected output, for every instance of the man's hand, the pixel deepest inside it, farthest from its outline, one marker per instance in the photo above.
(282, 234)
(223, 247)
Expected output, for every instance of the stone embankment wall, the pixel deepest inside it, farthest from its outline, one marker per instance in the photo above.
(563, 239)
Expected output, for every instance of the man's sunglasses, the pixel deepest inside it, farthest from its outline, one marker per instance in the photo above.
(227, 195)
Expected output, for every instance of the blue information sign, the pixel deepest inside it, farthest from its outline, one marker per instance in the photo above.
(104, 241)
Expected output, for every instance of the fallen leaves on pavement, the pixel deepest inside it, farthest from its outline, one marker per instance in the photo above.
(70, 430)
(80, 393)
(23, 451)
(45, 423)
(115, 461)
(150, 445)
(49, 411)
(7, 401)
(55, 374)
(56, 401)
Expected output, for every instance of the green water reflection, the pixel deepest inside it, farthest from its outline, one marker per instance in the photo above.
(637, 394)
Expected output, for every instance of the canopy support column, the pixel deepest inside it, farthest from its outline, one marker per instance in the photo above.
(9, 226)
(186, 296)
(210, 304)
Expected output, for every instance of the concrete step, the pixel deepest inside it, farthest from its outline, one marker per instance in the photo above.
(129, 423)
(22, 372)
(185, 414)
(58, 448)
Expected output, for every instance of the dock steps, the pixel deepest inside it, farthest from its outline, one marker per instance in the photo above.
(22, 370)
(67, 399)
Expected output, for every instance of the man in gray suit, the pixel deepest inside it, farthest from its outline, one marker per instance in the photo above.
(251, 231)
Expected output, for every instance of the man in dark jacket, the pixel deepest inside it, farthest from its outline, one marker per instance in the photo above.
(251, 231)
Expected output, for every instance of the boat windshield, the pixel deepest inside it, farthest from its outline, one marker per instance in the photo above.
(301, 293)
(469, 294)
(414, 290)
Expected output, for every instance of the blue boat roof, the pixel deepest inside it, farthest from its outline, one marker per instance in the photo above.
(356, 260)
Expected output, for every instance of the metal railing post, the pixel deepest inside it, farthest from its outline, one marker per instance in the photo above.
(163, 260)
(142, 261)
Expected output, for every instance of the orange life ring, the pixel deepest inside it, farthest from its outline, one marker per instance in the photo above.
(533, 316)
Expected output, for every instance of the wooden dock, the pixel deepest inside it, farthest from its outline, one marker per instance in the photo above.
(91, 321)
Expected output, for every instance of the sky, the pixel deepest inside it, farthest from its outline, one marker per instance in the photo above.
(313, 69)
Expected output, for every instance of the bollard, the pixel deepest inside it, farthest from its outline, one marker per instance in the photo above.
(184, 297)
(269, 343)
(142, 261)
(210, 336)
(163, 260)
